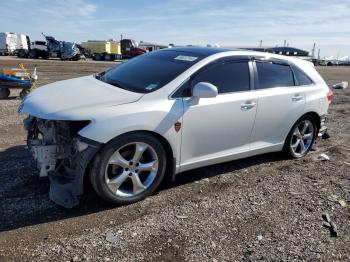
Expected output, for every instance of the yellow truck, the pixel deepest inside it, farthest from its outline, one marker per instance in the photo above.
(103, 50)
(111, 50)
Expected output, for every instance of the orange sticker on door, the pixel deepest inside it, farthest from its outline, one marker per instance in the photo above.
(177, 126)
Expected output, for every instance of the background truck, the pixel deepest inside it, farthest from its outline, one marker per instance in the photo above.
(111, 50)
(103, 50)
(50, 48)
(35, 50)
(8, 43)
(130, 49)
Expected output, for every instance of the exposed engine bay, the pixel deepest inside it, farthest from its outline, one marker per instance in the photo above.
(61, 155)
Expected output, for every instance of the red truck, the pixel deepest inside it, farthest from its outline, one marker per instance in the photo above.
(129, 48)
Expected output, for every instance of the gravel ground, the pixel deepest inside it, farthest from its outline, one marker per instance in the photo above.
(261, 208)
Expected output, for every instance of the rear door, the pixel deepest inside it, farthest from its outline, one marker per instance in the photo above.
(217, 128)
(280, 102)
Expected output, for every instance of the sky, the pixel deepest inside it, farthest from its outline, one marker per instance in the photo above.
(182, 22)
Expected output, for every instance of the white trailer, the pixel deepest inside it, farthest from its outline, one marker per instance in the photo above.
(22, 42)
(8, 43)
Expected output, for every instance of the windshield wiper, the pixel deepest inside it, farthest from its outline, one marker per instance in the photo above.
(118, 84)
(98, 75)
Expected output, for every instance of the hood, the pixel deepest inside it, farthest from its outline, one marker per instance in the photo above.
(74, 99)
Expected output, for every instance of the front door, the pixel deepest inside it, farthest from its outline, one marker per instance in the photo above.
(215, 129)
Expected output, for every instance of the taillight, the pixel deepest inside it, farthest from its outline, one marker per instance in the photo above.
(330, 95)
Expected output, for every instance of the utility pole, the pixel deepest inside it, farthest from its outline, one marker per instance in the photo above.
(260, 44)
(313, 51)
(121, 36)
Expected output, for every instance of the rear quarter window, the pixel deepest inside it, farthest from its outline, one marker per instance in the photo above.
(302, 78)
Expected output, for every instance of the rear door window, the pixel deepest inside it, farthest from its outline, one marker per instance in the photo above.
(272, 74)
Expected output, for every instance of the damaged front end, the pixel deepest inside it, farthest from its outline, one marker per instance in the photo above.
(62, 155)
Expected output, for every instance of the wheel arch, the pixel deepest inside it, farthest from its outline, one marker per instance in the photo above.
(314, 115)
(169, 175)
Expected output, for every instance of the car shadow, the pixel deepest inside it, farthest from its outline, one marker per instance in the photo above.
(24, 199)
(10, 98)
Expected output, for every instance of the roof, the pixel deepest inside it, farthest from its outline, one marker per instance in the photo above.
(283, 50)
(201, 51)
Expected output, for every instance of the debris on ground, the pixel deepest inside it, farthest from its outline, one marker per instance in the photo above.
(181, 216)
(324, 157)
(110, 237)
(330, 224)
(342, 203)
(341, 85)
(326, 136)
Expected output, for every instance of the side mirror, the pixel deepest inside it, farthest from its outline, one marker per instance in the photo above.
(341, 85)
(204, 90)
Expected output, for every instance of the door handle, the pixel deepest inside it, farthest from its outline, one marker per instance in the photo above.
(297, 97)
(247, 106)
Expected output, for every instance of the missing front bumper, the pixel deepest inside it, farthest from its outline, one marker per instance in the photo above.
(61, 155)
(65, 187)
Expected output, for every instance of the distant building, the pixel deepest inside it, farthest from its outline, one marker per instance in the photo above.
(283, 50)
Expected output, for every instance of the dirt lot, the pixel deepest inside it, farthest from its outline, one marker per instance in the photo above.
(262, 208)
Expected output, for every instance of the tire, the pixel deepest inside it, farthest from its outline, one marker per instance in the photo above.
(4, 93)
(98, 57)
(23, 93)
(109, 57)
(32, 54)
(22, 53)
(299, 140)
(116, 171)
(45, 55)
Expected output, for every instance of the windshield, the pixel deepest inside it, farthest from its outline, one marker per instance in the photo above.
(149, 72)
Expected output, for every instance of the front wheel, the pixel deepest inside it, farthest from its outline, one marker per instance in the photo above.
(129, 168)
(301, 137)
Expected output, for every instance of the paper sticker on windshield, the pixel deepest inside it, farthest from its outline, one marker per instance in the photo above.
(150, 87)
(186, 58)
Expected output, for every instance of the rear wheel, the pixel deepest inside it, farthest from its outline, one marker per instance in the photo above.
(301, 137)
(4, 93)
(129, 168)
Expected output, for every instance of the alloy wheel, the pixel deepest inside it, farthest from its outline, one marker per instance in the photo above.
(131, 169)
(302, 138)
